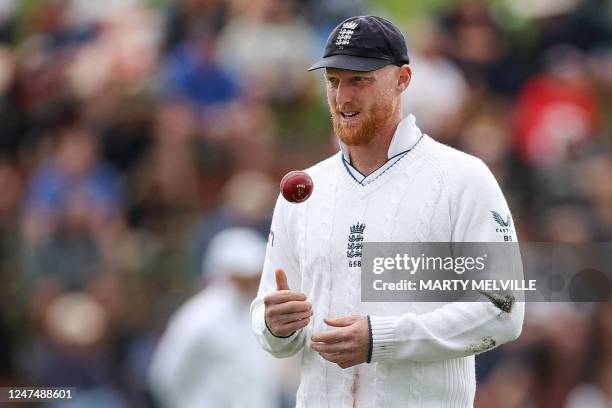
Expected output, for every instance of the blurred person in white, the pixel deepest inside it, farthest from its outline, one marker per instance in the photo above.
(438, 96)
(597, 394)
(208, 356)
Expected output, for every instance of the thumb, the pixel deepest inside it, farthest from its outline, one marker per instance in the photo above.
(340, 321)
(281, 280)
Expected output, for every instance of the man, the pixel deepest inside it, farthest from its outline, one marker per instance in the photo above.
(389, 183)
(207, 357)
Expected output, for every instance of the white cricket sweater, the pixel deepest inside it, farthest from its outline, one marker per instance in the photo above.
(423, 353)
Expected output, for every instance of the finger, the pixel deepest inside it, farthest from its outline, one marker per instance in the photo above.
(283, 296)
(339, 358)
(297, 325)
(331, 357)
(281, 280)
(290, 307)
(340, 321)
(347, 364)
(332, 336)
(291, 317)
(341, 347)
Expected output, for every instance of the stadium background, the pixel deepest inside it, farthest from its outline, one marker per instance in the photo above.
(132, 131)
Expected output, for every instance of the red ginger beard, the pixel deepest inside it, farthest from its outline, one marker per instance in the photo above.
(372, 121)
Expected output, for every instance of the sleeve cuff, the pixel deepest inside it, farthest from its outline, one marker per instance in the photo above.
(277, 341)
(382, 331)
(278, 337)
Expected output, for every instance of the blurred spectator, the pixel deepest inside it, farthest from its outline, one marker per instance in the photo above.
(246, 201)
(594, 183)
(7, 20)
(191, 71)
(249, 141)
(11, 185)
(557, 111)
(508, 385)
(10, 118)
(558, 351)
(69, 199)
(208, 357)
(597, 390)
(269, 46)
(477, 45)
(73, 351)
(438, 90)
(186, 18)
(583, 23)
(171, 165)
(74, 175)
(488, 138)
(568, 223)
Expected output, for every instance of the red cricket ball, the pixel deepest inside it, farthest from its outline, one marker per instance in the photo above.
(296, 186)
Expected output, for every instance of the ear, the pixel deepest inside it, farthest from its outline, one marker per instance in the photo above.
(403, 80)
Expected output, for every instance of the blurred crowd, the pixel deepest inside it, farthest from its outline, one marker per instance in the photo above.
(133, 132)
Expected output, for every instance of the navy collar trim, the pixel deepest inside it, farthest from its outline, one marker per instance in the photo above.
(395, 159)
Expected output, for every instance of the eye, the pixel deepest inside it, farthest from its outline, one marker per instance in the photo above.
(333, 82)
(359, 80)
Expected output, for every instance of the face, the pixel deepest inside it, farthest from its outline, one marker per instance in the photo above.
(248, 286)
(363, 103)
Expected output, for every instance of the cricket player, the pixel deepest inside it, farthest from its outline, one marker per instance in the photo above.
(388, 183)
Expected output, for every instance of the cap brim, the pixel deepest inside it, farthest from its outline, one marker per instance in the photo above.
(350, 62)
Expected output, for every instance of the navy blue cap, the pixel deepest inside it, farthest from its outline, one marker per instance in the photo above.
(364, 43)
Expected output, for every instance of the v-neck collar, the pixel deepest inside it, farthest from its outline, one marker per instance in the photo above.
(406, 136)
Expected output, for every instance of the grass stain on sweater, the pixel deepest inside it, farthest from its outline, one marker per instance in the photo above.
(486, 343)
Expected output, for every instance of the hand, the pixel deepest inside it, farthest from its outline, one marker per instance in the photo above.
(348, 345)
(286, 311)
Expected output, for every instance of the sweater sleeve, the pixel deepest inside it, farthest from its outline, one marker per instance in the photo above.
(459, 329)
(280, 253)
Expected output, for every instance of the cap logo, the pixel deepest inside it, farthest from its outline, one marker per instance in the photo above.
(345, 34)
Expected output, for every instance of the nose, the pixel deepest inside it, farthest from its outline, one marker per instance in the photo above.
(343, 93)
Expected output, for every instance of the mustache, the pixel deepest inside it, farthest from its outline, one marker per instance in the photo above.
(347, 108)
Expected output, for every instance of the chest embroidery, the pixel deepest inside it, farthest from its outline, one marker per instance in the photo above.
(355, 245)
